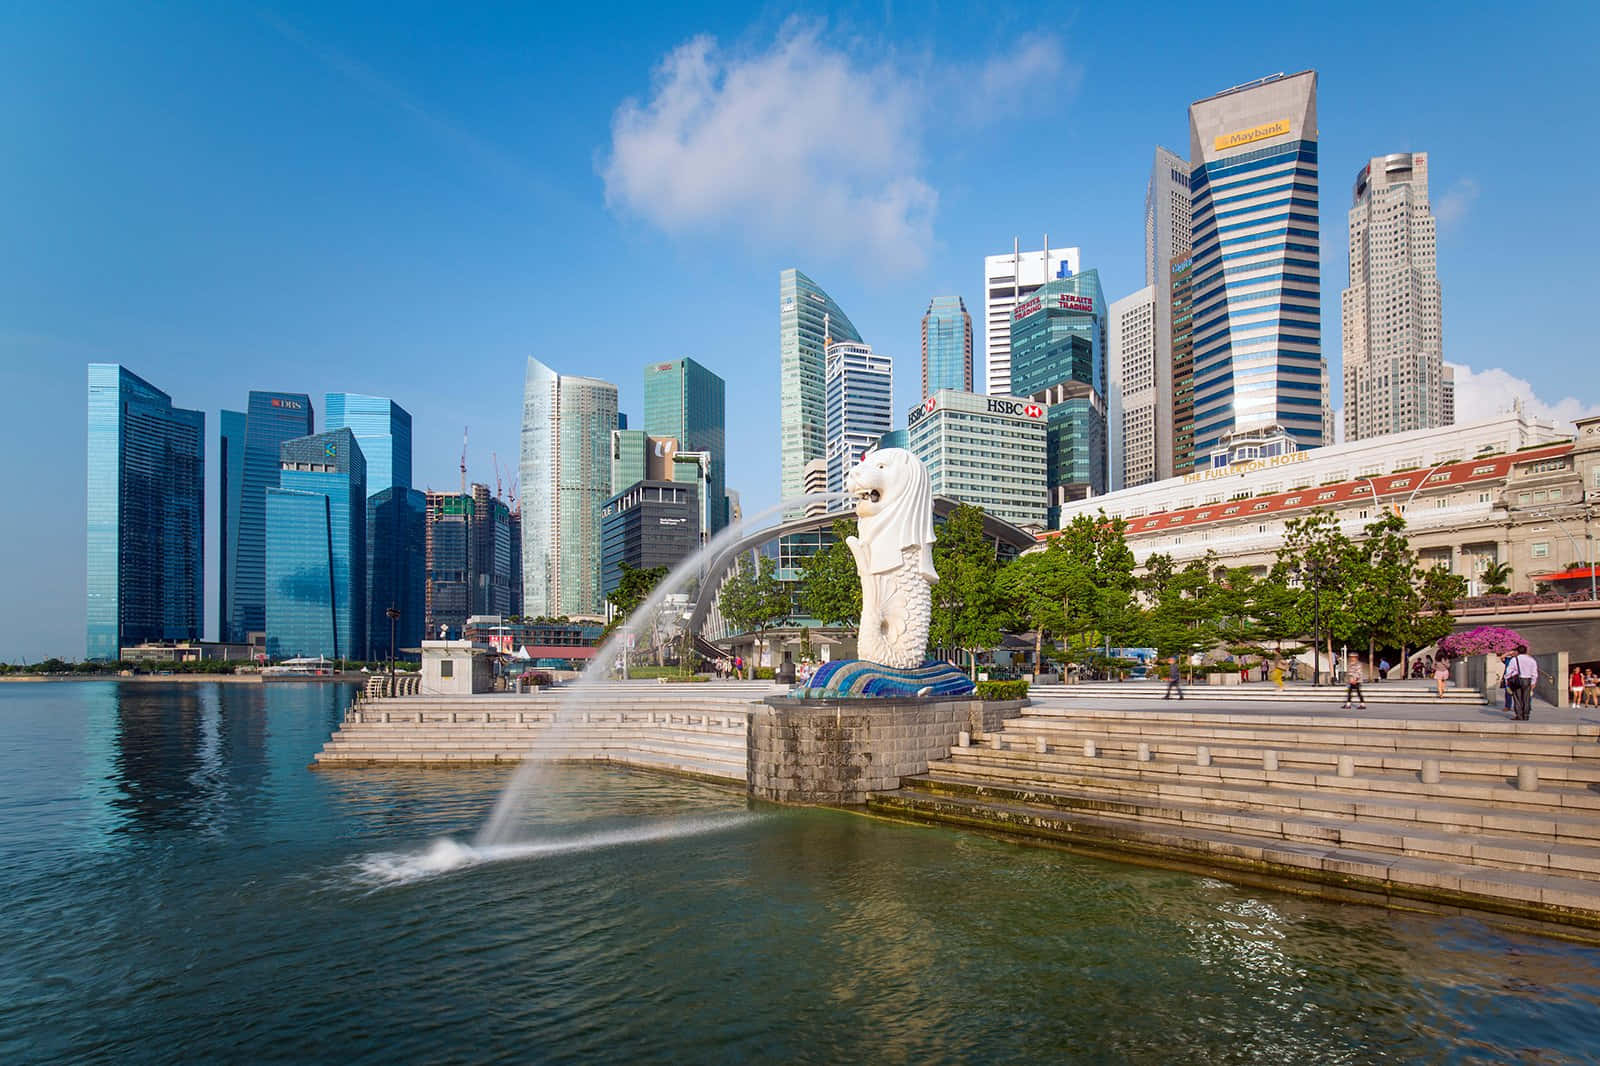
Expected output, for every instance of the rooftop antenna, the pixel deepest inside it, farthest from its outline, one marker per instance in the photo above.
(464, 460)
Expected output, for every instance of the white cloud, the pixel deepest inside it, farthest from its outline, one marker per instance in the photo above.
(802, 142)
(1452, 206)
(1482, 394)
(1037, 68)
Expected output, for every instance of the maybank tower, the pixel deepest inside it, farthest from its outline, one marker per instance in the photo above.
(1257, 326)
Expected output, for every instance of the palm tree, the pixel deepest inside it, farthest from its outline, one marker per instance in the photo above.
(1496, 578)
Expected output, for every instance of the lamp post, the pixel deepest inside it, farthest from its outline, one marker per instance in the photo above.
(393, 614)
(1315, 570)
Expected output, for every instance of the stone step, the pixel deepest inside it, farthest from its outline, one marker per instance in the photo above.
(1503, 890)
(730, 771)
(1569, 856)
(1554, 763)
(1420, 805)
(1246, 694)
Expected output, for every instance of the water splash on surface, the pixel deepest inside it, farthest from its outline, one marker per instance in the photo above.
(447, 855)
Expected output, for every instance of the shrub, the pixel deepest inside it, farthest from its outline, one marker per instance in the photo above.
(1484, 640)
(766, 673)
(691, 678)
(1520, 598)
(1002, 690)
(537, 677)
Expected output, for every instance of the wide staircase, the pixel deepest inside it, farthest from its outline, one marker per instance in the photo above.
(1298, 692)
(697, 730)
(1491, 815)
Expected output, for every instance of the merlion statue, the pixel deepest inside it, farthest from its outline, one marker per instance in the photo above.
(894, 556)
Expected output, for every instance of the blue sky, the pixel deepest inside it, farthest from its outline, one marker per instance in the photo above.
(408, 200)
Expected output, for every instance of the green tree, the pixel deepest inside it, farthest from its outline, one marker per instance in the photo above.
(1178, 620)
(633, 589)
(1437, 592)
(830, 589)
(1318, 559)
(969, 608)
(1496, 578)
(752, 601)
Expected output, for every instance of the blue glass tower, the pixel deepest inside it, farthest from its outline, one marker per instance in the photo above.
(145, 565)
(230, 491)
(683, 399)
(396, 569)
(1257, 307)
(946, 346)
(316, 549)
(270, 419)
(382, 428)
(1058, 357)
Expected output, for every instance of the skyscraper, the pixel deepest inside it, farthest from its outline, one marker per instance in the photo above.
(684, 400)
(566, 481)
(1138, 434)
(1393, 325)
(1257, 323)
(382, 428)
(395, 561)
(1182, 318)
(270, 419)
(807, 319)
(1058, 358)
(230, 490)
(1166, 241)
(316, 549)
(1007, 279)
(859, 401)
(946, 346)
(145, 564)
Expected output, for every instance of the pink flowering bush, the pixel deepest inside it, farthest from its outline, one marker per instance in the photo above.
(1484, 640)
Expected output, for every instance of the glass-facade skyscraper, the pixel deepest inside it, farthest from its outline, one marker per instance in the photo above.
(860, 399)
(946, 346)
(230, 490)
(808, 319)
(316, 549)
(683, 399)
(271, 418)
(382, 428)
(566, 481)
(145, 564)
(1256, 240)
(1058, 358)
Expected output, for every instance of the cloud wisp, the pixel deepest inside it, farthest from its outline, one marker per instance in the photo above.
(1453, 204)
(802, 142)
(1482, 394)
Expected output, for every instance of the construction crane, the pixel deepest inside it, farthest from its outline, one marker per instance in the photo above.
(494, 457)
(512, 500)
(464, 460)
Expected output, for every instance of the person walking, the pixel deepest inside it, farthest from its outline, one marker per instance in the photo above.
(1441, 675)
(1522, 673)
(1353, 676)
(1575, 685)
(1174, 679)
(1277, 674)
(1505, 681)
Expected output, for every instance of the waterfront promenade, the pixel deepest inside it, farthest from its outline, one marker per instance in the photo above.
(1411, 803)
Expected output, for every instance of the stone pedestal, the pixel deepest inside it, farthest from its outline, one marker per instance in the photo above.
(836, 753)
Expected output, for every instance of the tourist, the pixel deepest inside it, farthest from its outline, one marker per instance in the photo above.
(1174, 679)
(1441, 675)
(1505, 681)
(1353, 676)
(1522, 672)
(1277, 674)
(1575, 684)
(1383, 669)
(1591, 688)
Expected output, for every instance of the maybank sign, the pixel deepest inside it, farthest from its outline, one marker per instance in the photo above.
(1254, 133)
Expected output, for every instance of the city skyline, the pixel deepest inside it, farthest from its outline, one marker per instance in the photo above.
(188, 313)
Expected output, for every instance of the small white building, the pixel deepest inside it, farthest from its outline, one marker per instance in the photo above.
(456, 668)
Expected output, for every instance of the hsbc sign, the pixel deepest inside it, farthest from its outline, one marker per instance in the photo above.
(1016, 407)
(922, 410)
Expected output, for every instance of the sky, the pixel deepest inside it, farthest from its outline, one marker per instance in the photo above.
(410, 199)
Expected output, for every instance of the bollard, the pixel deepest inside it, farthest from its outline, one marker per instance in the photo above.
(1040, 746)
(1202, 756)
(963, 739)
(452, 717)
(386, 717)
(1269, 761)
(1144, 753)
(1347, 766)
(419, 717)
(1088, 749)
(1527, 779)
(1430, 771)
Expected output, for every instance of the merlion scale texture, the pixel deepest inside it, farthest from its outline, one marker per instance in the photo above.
(894, 556)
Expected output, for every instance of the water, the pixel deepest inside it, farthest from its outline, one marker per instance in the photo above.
(179, 888)
(502, 825)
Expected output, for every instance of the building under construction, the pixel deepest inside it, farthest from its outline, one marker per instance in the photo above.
(474, 558)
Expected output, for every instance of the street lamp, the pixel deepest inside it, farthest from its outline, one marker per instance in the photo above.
(393, 614)
(1316, 571)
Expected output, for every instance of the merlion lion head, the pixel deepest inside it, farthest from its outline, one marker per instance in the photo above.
(894, 508)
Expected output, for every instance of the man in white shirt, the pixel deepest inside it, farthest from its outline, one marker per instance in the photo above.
(1521, 672)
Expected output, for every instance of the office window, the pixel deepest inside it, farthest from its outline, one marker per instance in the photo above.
(447, 668)
(1540, 549)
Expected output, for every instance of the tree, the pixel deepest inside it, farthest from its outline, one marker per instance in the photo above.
(830, 589)
(1324, 563)
(968, 606)
(754, 602)
(1496, 578)
(1437, 594)
(633, 589)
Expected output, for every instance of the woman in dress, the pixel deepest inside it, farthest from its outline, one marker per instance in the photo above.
(1441, 675)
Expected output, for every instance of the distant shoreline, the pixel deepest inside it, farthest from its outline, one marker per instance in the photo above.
(227, 678)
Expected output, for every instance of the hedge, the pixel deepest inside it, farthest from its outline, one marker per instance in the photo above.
(1002, 690)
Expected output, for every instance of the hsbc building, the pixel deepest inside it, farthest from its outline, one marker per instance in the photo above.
(989, 451)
